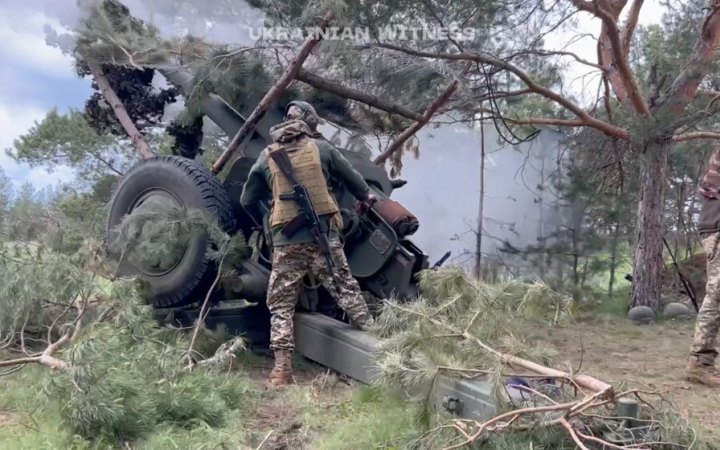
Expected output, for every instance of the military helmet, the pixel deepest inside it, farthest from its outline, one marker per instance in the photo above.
(309, 116)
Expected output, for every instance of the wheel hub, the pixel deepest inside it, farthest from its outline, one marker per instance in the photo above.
(159, 232)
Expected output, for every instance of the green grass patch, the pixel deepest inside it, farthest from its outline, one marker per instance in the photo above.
(31, 420)
(373, 419)
(28, 420)
(600, 303)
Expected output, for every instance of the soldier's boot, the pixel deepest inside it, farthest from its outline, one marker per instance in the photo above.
(281, 374)
(702, 373)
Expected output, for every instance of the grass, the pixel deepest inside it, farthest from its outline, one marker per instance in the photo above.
(323, 411)
(372, 418)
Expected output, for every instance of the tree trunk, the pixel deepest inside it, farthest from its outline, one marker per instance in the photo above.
(575, 258)
(648, 255)
(479, 232)
(613, 256)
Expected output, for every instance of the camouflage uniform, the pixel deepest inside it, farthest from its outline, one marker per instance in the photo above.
(296, 255)
(701, 366)
(708, 319)
(290, 264)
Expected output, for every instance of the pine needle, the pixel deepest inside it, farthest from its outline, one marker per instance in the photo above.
(442, 333)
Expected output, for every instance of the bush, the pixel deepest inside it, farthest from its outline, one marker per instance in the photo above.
(127, 376)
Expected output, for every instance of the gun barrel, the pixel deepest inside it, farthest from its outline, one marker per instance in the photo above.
(442, 260)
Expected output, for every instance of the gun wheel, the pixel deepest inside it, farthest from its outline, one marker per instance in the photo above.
(183, 273)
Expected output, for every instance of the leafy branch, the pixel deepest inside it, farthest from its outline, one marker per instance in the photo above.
(464, 328)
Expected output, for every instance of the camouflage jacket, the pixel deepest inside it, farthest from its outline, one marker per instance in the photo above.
(258, 185)
(710, 182)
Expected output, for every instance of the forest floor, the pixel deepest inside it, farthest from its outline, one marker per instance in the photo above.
(320, 411)
(651, 357)
(323, 410)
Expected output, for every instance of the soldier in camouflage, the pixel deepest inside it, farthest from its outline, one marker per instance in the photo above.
(314, 161)
(701, 366)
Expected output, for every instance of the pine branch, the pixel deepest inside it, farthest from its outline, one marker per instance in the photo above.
(140, 144)
(603, 389)
(427, 115)
(272, 95)
(587, 119)
(333, 87)
(530, 120)
(463, 328)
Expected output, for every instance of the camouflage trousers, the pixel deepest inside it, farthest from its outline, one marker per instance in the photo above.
(289, 266)
(708, 319)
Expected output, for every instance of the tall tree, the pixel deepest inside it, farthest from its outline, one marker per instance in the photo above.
(5, 196)
(647, 121)
(69, 139)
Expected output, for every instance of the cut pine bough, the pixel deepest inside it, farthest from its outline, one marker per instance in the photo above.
(466, 401)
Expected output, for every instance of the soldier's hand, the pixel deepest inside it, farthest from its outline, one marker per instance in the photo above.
(363, 206)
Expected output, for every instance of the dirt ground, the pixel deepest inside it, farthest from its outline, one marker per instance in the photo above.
(282, 416)
(649, 357)
(628, 356)
(308, 414)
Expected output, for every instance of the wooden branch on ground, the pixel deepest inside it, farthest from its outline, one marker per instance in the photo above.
(601, 388)
(123, 117)
(225, 354)
(46, 358)
(333, 87)
(427, 115)
(272, 95)
(696, 135)
(204, 310)
(551, 413)
(586, 381)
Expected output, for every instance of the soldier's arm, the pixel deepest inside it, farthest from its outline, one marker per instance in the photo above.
(341, 169)
(255, 190)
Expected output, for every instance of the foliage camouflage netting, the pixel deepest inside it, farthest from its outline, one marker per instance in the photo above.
(465, 328)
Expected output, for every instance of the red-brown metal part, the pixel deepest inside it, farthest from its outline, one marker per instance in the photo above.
(398, 217)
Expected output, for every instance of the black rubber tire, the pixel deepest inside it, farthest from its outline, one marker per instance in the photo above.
(194, 187)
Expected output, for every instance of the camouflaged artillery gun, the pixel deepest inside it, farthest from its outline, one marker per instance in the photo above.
(381, 257)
